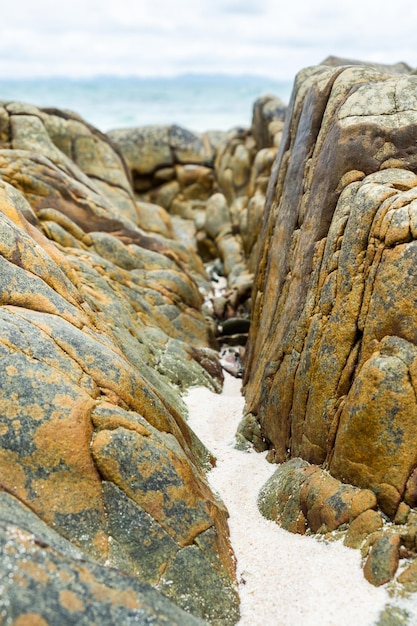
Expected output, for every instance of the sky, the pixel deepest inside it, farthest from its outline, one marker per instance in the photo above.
(83, 38)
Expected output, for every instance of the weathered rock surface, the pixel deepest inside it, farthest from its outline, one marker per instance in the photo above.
(213, 186)
(300, 496)
(382, 562)
(46, 580)
(101, 325)
(330, 371)
(153, 152)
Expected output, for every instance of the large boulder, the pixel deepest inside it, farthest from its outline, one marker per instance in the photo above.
(332, 350)
(101, 326)
(152, 152)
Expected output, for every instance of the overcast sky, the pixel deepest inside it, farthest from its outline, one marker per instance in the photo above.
(169, 37)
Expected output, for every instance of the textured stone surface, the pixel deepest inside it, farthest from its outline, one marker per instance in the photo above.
(363, 525)
(330, 368)
(101, 326)
(46, 580)
(382, 563)
(213, 185)
(300, 496)
(328, 331)
(150, 149)
(267, 121)
(393, 616)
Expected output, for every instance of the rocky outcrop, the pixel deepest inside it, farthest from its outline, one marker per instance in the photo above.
(101, 326)
(330, 367)
(213, 186)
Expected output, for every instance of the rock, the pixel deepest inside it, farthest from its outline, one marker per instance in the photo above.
(46, 580)
(166, 195)
(234, 325)
(145, 149)
(330, 359)
(248, 433)
(139, 545)
(233, 164)
(152, 470)
(393, 616)
(213, 188)
(189, 147)
(217, 215)
(231, 360)
(361, 527)
(382, 563)
(333, 327)
(101, 326)
(150, 149)
(398, 68)
(408, 577)
(300, 496)
(220, 594)
(409, 532)
(402, 514)
(66, 139)
(267, 110)
(156, 219)
(280, 498)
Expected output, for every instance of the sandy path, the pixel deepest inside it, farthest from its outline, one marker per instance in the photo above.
(287, 580)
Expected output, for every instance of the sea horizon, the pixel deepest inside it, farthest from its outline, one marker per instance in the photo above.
(196, 101)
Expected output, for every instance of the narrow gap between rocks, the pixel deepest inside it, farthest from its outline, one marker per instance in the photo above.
(284, 579)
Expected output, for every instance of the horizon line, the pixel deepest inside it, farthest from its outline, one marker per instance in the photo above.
(140, 77)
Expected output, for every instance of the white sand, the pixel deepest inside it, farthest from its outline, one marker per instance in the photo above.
(289, 580)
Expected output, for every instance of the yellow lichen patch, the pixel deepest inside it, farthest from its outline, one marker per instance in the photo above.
(111, 422)
(350, 177)
(100, 544)
(30, 619)
(75, 432)
(66, 492)
(67, 577)
(9, 406)
(109, 467)
(25, 538)
(102, 593)
(36, 411)
(10, 211)
(51, 567)
(20, 581)
(12, 475)
(152, 502)
(11, 370)
(70, 601)
(35, 571)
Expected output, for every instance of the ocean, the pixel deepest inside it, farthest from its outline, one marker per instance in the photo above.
(196, 102)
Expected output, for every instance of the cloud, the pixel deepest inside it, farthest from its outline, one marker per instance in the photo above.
(242, 7)
(155, 37)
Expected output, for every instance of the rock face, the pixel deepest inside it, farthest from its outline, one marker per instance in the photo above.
(46, 580)
(330, 373)
(213, 187)
(101, 325)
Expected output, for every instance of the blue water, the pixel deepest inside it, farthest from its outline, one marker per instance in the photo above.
(195, 102)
